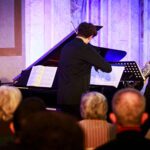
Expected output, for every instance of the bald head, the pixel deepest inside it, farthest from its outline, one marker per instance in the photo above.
(128, 105)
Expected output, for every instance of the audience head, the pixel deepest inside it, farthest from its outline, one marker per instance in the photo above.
(146, 70)
(10, 98)
(128, 108)
(86, 30)
(93, 106)
(27, 107)
(52, 130)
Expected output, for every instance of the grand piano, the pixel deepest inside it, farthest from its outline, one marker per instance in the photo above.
(51, 58)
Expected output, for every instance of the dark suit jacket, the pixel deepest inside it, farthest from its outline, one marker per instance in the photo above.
(127, 140)
(74, 70)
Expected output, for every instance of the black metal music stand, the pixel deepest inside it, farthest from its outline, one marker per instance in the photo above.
(131, 72)
(132, 75)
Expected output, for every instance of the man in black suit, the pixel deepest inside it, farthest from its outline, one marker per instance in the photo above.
(128, 114)
(77, 58)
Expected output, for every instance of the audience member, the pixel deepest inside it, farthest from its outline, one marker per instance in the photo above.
(27, 107)
(53, 130)
(10, 98)
(146, 74)
(94, 109)
(146, 125)
(146, 70)
(128, 114)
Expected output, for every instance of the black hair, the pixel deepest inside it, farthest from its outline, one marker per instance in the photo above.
(86, 29)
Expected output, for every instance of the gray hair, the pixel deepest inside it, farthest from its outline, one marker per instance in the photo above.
(93, 106)
(10, 98)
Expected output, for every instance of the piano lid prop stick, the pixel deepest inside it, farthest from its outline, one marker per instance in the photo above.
(74, 27)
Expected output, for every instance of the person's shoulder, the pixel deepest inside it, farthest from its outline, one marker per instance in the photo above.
(108, 146)
(74, 43)
(125, 144)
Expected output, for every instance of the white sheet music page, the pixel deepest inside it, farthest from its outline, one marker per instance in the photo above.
(42, 76)
(107, 79)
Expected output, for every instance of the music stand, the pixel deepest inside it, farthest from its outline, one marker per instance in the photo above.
(131, 71)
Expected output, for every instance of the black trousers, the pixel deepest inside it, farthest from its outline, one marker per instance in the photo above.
(73, 110)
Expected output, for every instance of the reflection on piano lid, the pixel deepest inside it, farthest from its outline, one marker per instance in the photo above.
(51, 58)
(111, 55)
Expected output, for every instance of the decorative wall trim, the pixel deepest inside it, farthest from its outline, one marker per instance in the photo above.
(17, 50)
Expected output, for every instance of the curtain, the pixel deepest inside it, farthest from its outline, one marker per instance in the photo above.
(126, 25)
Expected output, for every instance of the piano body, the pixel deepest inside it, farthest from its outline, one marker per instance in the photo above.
(51, 58)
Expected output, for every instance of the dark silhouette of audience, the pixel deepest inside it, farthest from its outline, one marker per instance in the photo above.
(27, 107)
(50, 130)
(36, 128)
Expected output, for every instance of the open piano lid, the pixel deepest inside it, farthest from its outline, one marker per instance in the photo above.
(51, 58)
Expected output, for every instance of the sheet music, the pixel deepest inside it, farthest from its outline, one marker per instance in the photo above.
(42, 76)
(107, 79)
